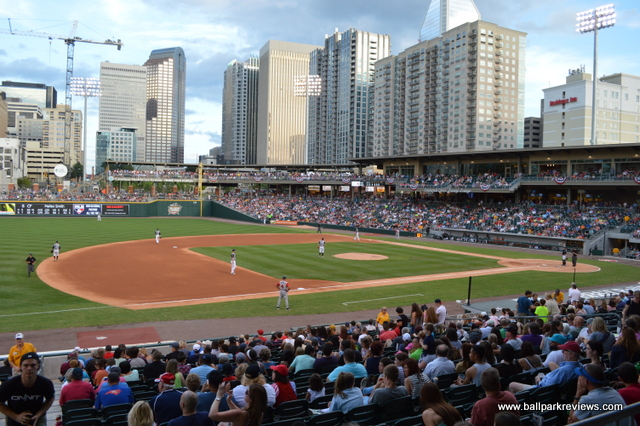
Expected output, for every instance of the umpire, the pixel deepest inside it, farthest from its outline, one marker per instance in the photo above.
(31, 261)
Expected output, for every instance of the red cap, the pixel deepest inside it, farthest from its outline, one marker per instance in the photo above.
(570, 346)
(167, 379)
(280, 368)
(261, 332)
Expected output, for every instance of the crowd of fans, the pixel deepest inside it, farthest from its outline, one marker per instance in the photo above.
(446, 370)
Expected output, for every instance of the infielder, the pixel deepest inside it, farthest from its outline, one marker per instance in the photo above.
(397, 234)
(55, 250)
(321, 244)
(233, 261)
(356, 237)
(31, 264)
(158, 236)
(284, 288)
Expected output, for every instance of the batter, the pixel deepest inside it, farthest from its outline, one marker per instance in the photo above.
(233, 261)
(284, 288)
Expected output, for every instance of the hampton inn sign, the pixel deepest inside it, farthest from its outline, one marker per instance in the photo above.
(563, 101)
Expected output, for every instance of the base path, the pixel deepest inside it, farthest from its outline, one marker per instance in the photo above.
(142, 274)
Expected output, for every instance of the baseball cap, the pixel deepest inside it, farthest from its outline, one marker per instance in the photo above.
(281, 369)
(76, 374)
(253, 371)
(406, 337)
(115, 369)
(19, 336)
(72, 355)
(570, 346)
(167, 379)
(29, 355)
(196, 347)
(175, 345)
(206, 359)
(284, 277)
(582, 371)
(261, 331)
(558, 338)
(512, 329)
(227, 369)
(437, 301)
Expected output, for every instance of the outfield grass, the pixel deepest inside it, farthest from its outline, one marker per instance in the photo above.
(29, 304)
(302, 261)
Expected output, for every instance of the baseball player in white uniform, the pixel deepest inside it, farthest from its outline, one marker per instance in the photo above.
(55, 250)
(356, 237)
(233, 261)
(321, 244)
(284, 288)
(158, 236)
(397, 234)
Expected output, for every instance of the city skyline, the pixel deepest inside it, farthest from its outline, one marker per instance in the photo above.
(219, 31)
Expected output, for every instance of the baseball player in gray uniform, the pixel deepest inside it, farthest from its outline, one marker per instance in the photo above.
(158, 236)
(233, 261)
(321, 244)
(55, 250)
(356, 237)
(284, 288)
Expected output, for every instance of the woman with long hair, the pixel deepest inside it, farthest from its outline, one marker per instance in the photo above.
(436, 411)
(172, 367)
(594, 352)
(454, 353)
(489, 356)
(508, 367)
(466, 362)
(600, 334)
(285, 390)
(626, 349)
(373, 358)
(414, 378)
(430, 316)
(345, 395)
(140, 414)
(416, 317)
(452, 335)
(529, 361)
(255, 400)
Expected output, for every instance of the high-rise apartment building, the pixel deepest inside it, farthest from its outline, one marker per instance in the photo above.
(123, 101)
(53, 131)
(17, 109)
(281, 115)
(568, 109)
(166, 78)
(461, 92)
(118, 144)
(4, 114)
(240, 112)
(31, 93)
(339, 118)
(444, 15)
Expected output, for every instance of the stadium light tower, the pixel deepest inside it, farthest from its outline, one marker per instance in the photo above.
(307, 86)
(88, 88)
(594, 20)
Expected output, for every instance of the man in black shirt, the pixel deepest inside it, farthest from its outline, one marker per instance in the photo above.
(154, 369)
(31, 264)
(25, 399)
(632, 308)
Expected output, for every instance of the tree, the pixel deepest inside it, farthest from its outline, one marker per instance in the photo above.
(24, 182)
(77, 171)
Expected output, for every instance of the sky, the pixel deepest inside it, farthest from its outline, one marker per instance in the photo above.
(215, 32)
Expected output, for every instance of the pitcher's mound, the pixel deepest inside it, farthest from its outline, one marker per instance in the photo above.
(360, 256)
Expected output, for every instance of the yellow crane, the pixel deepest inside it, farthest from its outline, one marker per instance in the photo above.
(70, 41)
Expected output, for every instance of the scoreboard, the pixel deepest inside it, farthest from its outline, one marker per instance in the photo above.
(63, 209)
(43, 209)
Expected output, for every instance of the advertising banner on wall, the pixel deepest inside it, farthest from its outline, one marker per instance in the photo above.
(345, 188)
(326, 188)
(356, 183)
(7, 208)
(87, 209)
(115, 209)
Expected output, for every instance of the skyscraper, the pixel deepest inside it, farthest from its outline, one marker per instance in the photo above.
(461, 92)
(339, 118)
(281, 115)
(443, 15)
(166, 76)
(123, 102)
(31, 93)
(240, 112)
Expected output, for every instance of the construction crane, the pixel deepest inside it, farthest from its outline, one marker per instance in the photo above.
(70, 41)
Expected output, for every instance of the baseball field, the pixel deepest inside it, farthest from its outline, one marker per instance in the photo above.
(113, 272)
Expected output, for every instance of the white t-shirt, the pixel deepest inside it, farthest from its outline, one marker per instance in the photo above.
(574, 294)
(442, 314)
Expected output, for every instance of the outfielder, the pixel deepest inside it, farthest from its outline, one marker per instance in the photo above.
(397, 234)
(31, 261)
(284, 288)
(321, 244)
(233, 261)
(158, 236)
(356, 237)
(55, 250)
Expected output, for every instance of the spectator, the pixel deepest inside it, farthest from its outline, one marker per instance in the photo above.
(375, 355)
(507, 418)
(428, 346)
(485, 409)
(566, 372)
(115, 392)
(628, 374)
(415, 378)
(316, 388)
(512, 337)
(436, 411)
(77, 388)
(255, 404)
(129, 374)
(132, 355)
(140, 414)
(155, 368)
(600, 334)
(17, 351)
(327, 362)
(209, 392)
(284, 389)
(466, 362)
(25, 399)
(472, 375)
(558, 296)
(574, 294)
(529, 361)
(542, 311)
(626, 349)
(305, 361)
(175, 348)
(508, 367)
(524, 304)
(345, 395)
(555, 355)
(594, 352)
(389, 391)
(441, 312)
(350, 366)
(191, 417)
(252, 376)
(439, 366)
(207, 363)
(166, 405)
(591, 390)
